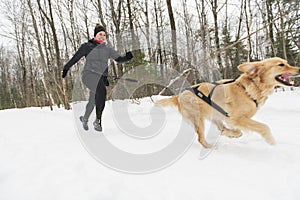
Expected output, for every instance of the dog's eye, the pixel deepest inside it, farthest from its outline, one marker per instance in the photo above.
(281, 65)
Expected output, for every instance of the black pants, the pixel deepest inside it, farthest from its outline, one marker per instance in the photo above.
(97, 95)
(100, 96)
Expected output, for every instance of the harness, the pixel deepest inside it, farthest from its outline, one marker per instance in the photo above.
(208, 99)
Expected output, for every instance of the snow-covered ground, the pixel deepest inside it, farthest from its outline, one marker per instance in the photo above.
(42, 156)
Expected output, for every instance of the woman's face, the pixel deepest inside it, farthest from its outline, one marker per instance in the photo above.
(101, 36)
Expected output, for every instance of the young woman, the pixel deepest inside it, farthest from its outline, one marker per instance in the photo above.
(95, 71)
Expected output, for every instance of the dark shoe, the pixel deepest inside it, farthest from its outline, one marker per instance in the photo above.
(97, 125)
(84, 123)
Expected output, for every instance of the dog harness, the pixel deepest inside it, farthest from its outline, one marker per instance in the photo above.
(208, 99)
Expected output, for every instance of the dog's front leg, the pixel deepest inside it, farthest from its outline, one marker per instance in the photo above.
(231, 133)
(252, 125)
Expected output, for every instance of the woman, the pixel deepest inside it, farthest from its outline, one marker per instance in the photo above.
(95, 71)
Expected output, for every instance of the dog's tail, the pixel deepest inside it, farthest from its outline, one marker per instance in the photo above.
(173, 101)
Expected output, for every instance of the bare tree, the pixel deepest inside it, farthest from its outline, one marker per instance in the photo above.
(49, 17)
(215, 10)
(98, 5)
(20, 33)
(134, 37)
(159, 45)
(146, 24)
(206, 72)
(41, 54)
(116, 15)
(271, 25)
(174, 35)
(282, 28)
(5, 63)
(43, 33)
(247, 9)
(188, 31)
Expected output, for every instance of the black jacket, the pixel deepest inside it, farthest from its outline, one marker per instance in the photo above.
(96, 62)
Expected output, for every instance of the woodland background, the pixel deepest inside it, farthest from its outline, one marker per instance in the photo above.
(207, 37)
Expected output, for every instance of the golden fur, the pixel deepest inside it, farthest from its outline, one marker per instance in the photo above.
(240, 99)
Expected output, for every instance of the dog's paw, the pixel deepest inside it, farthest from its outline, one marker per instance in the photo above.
(205, 144)
(208, 146)
(271, 141)
(232, 133)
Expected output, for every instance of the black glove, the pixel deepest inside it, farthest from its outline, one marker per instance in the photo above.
(129, 55)
(64, 73)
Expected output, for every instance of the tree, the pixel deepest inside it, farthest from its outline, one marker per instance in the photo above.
(42, 58)
(215, 10)
(61, 88)
(44, 34)
(173, 34)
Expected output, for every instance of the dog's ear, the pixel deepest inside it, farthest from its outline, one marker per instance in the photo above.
(250, 67)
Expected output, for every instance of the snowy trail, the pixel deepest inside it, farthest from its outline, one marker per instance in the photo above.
(41, 157)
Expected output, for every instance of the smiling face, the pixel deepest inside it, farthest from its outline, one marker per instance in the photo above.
(101, 35)
(281, 71)
(272, 71)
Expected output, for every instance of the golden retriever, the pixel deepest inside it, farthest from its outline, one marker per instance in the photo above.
(240, 99)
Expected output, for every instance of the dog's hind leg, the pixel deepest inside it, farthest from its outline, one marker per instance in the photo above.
(199, 127)
(191, 114)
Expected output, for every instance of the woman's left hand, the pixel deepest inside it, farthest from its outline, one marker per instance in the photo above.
(129, 55)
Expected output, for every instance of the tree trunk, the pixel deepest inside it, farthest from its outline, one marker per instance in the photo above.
(174, 36)
(159, 47)
(134, 38)
(187, 26)
(206, 73)
(270, 19)
(147, 26)
(42, 56)
(282, 31)
(214, 4)
(116, 17)
(98, 6)
(57, 74)
(248, 28)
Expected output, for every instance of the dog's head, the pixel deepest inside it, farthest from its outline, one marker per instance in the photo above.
(272, 71)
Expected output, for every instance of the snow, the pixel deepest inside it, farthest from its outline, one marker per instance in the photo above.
(43, 156)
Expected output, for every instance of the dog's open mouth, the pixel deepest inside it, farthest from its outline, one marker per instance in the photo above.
(286, 79)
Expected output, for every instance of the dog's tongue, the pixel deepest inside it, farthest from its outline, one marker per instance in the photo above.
(286, 75)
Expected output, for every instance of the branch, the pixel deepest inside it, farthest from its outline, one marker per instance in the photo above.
(213, 55)
(185, 72)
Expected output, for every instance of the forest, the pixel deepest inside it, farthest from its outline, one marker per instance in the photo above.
(203, 40)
